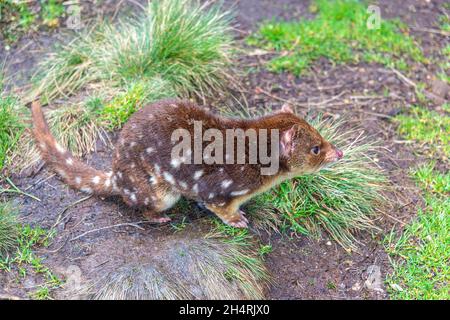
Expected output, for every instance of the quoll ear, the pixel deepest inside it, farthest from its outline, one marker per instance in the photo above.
(286, 108)
(287, 142)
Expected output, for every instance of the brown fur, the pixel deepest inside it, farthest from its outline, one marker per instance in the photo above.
(143, 175)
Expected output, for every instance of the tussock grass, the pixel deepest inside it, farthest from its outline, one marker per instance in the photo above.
(185, 43)
(11, 126)
(420, 255)
(201, 268)
(8, 229)
(339, 33)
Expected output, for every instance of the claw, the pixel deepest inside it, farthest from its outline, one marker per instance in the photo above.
(243, 217)
(164, 219)
(238, 224)
(241, 223)
(157, 219)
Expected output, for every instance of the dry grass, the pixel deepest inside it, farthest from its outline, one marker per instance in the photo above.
(202, 268)
(8, 228)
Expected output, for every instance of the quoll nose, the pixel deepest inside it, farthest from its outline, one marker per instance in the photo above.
(339, 154)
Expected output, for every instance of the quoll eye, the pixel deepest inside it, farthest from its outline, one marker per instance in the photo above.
(315, 150)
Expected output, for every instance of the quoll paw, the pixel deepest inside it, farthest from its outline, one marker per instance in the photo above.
(241, 222)
(157, 218)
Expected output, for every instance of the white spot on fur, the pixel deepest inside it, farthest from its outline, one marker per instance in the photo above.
(147, 201)
(226, 183)
(221, 204)
(157, 169)
(175, 163)
(221, 170)
(108, 183)
(240, 192)
(69, 161)
(168, 177)
(59, 148)
(62, 173)
(96, 180)
(119, 174)
(169, 200)
(183, 185)
(77, 180)
(195, 188)
(126, 191)
(133, 144)
(242, 168)
(86, 189)
(211, 195)
(43, 146)
(133, 197)
(133, 165)
(109, 173)
(115, 187)
(152, 180)
(198, 174)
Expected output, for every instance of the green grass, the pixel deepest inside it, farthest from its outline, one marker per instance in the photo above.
(52, 10)
(421, 254)
(444, 23)
(444, 65)
(17, 18)
(428, 128)
(8, 229)
(115, 113)
(21, 258)
(339, 33)
(11, 126)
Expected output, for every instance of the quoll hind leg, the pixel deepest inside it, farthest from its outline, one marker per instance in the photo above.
(163, 198)
(154, 195)
(229, 214)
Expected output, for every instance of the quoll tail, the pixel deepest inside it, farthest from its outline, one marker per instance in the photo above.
(75, 173)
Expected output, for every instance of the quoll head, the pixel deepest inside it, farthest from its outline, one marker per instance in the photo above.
(305, 150)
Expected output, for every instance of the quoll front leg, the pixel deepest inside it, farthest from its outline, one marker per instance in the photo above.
(229, 214)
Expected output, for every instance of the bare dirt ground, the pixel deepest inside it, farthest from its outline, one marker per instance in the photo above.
(302, 268)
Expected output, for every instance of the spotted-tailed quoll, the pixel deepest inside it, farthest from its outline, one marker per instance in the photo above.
(147, 175)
